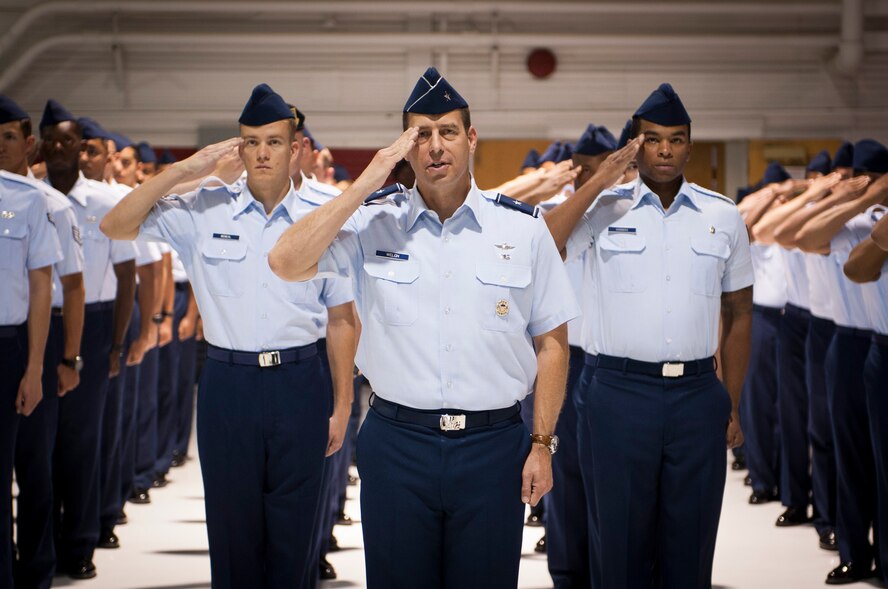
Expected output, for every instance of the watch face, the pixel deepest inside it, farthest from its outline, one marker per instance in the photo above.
(553, 445)
(78, 364)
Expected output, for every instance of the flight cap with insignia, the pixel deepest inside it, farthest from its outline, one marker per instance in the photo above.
(120, 141)
(167, 157)
(775, 173)
(566, 152)
(10, 111)
(299, 115)
(54, 113)
(844, 157)
(625, 135)
(146, 154)
(264, 106)
(531, 160)
(433, 95)
(870, 156)
(595, 141)
(340, 173)
(91, 129)
(663, 107)
(820, 163)
(551, 153)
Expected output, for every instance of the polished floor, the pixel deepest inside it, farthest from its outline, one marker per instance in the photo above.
(164, 546)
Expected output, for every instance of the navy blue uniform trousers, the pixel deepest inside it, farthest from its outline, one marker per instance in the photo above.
(758, 403)
(78, 442)
(13, 360)
(792, 405)
(262, 435)
(187, 354)
(111, 467)
(146, 420)
(823, 452)
(129, 414)
(441, 509)
(323, 525)
(33, 474)
(658, 474)
(167, 402)
(856, 497)
(567, 533)
(875, 374)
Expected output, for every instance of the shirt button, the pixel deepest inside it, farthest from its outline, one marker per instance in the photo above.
(224, 251)
(447, 310)
(449, 385)
(668, 340)
(668, 311)
(264, 285)
(448, 347)
(265, 315)
(668, 278)
(6, 232)
(446, 238)
(447, 274)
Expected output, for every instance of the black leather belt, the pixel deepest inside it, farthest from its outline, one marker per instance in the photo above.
(10, 330)
(443, 419)
(880, 339)
(263, 359)
(57, 312)
(182, 285)
(768, 311)
(664, 369)
(102, 306)
(853, 331)
(796, 311)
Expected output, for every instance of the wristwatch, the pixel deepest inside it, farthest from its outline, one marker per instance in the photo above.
(157, 318)
(75, 363)
(549, 442)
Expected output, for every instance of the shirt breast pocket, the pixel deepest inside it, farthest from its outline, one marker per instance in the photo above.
(504, 292)
(220, 260)
(710, 256)
(13, 247)
(393, 289)
(623, 267)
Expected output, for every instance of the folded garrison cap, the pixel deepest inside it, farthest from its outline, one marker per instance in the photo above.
(595, 141)
(775, 173)
(146, 154)
(91, 129)
(167, 157)
(10, 111)
(120, 141)
(870, 156)
(844, 157)
(624, 135)
(264, 106)
(664, 107)
(433, 95)
(54, 113)
(531, 160)
(299, 115)
(551, 153)
(566, 152)
(820, 163)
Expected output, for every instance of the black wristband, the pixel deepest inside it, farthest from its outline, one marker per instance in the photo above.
(166, 313)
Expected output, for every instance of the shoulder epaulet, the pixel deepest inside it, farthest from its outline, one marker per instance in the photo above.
(18, 178)
(323, 189)
(517, 205)
(712, 193)
(384, 192)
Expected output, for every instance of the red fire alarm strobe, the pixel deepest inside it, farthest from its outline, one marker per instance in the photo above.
(541, 63)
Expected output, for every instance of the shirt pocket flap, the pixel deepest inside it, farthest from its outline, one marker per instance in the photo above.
(622, 243)
(711, 247)
(14, 231)
(401, 271)
(514, 275)
(218, 249)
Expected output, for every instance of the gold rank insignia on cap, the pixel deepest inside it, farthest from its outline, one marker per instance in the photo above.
(502, 308)
(7, 214)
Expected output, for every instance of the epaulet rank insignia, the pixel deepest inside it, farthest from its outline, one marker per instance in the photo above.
(511, 203)
(379, 197)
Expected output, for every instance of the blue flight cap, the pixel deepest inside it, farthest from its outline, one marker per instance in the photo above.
(663, 107)
(870, 156)
(624, 135)
(91, 129)
(844, 157)
(264, 106)
(551, 153)
(121, 142)
(566, 152)
(433, 95)
(315, 144)
(10, 111)
(167, 157)
(820, 163)
(743, 192)
(531, 160)
(775, 173)
(595, 141)
(340, 173)
(55, 113)
(146, 154)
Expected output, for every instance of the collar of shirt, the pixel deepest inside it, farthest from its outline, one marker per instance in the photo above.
(244, 200)
(876, 212)
(644, 195)
(77, 193)
(471, 206)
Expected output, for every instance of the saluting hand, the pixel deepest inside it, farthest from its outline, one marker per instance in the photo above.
(848, 190)
(386, 158)
(614, 167)
(206, 160)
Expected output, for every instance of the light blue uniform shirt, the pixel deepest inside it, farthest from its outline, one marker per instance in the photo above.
(770, 275)
(449, 309)
(223, 237)
(875, 294)
(819, 270)
(28, 241)
(92, 200)
(62, 212)
(846, 296)
(656, 277)
(797, 289)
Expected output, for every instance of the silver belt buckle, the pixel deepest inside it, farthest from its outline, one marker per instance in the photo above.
(451, 423)
(673, 370)
(267, 359)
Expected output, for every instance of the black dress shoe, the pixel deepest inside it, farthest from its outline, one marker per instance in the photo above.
(178, 460)
(540, 545)
(344, 519)
(828, 540)
(122, 519)
(739, 463)
(333, 544)
(846, 573)
(160, 482)
(792, 517)
(352, 480)
(325, 570)
(140, 497)
(760, 497)
(108, 539)
(747, 481)
(82, 569)
(534, 520)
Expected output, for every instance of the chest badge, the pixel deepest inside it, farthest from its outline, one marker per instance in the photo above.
(7, 214)
(711, 229)
(504, 252)
(502, 308)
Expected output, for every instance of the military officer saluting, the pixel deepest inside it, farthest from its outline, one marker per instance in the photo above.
(463, 301)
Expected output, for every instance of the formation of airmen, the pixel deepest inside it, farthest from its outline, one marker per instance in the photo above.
(604, 273)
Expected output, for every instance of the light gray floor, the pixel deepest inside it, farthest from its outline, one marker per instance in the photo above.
(164, 546)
